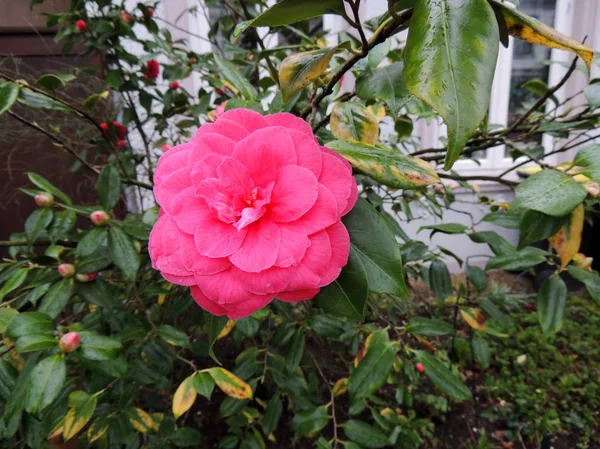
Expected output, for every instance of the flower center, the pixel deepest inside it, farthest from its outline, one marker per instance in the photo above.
(250, 207)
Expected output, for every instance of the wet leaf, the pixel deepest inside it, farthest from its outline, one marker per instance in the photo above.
(354, 122)
(300, 69)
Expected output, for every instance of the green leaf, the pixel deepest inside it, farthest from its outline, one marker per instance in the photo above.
(95, 262)
(449, 63)
(29, 323)
(551, 302)
(446, 228)
(35, 342)
(347, 295)
(108, 187)
(80, 414)
(6, 316)
(45, 383)
(91, 241)
(374, 367)
(45, 185)
(550, 192)
(215, 325)
(439, 280)
(536, 226)
(56, 298)
(388, 167)
(387, 84)
(352, 121)
(8, 379)
(591, 280)
(365, 435)
(204, 384)
(37, 223)
(123, 252)
(477, 277)
(37, 100)
(8, 95)
(429, 327)
(591, 92)
(589, 159)
(295, 350)
(14, 281)
(91, 101)
(481, 352)
(52, 81)
(523, 259)
(286, 12)
(443, 378)
(498, 244)
(186, 437)
(98, 347)
(230, 72)
(63, 222)
(300, 69)
(272, 415)
(173, 336)
(524, 27)
(377, 247)
(310, 422)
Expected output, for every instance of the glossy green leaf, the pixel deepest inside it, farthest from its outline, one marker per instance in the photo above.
(353, 121)
(590, 279)
(215, 325)
(37, 223)
(8, 379)
(36, 342)
(450, 58)
(498, 244)
(374, 367)
(551, 302)
(524, 27)
(445, 228)
(550, 192)
(536, 226)
(186, 437)
(91, 241)
(95, 262)
(300, 69)
(47, 186)
(13, 282)
(108, 187)
(9, 93)
(51, 81)
(56, 298)
(592, 95)
(347, 295)
(389, 167)
(230, 72)
(37, 100)
(123, 252)
(45, 383)
(98, 347)
(272, 415)
(204, 384)
(387, 84)
(310, 422)
(28, 323)
(481, 352)
(439, 280)
(429, 327)
(477, 277)
(286, 12)
(365, 435)
(6, 316)
(295, 350)
(441, 376)
(173, 336)
(63, 222)
(589, 159)
(523, 259)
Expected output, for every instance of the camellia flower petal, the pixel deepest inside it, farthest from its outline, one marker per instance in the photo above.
(250, 212)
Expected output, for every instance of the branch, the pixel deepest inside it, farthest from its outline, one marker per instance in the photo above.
(497, 179)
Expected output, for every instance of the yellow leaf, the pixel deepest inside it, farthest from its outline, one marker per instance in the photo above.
(583, 262)
(378, 111)
(231, 385)
(567, 240)
(58, 430)
(79, 415)
(363, 350)
(536, 32)
(184, 397)
(97, 430)
(299, 70)
(226, 330)
(474, 318)
(340, 387)
(93, 100)
(161, 298)
(353, 121)
(141, 420)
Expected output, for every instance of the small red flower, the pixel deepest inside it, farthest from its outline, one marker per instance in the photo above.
(120, 129)
(175, 85)
(152, 69)
(150, 12)
(122, 143)
(81, 26)
(104, 126)
(125, 17)
(66, 270)
(69, 342)
(44, 199)
(89, 277)
(420, 367)
(99, 217)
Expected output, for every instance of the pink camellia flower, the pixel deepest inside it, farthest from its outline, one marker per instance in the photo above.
(69, 342)
(250, 212)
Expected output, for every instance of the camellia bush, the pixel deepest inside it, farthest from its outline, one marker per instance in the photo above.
(257, 292)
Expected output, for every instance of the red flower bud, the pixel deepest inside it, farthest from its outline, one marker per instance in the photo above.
(150, 12)
(81, 26)
(44, 199)
(420, 367)
(69, 342)
(99, 217)
(152, 69)
(66, 270)
(220, 92)
(193, 60)
(104, 126)
(125, 17)
(175, 85)
(81, 277)
(122, 143)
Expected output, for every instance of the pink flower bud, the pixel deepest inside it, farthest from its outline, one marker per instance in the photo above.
(99, 217)
(81, 26)
(175, 85)
(125, 17)
(150, 12)
(593, 189)
(420, 367)
(69, 342)
(81, 277)
(66, 270)
(44, 199)
(166, 147)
